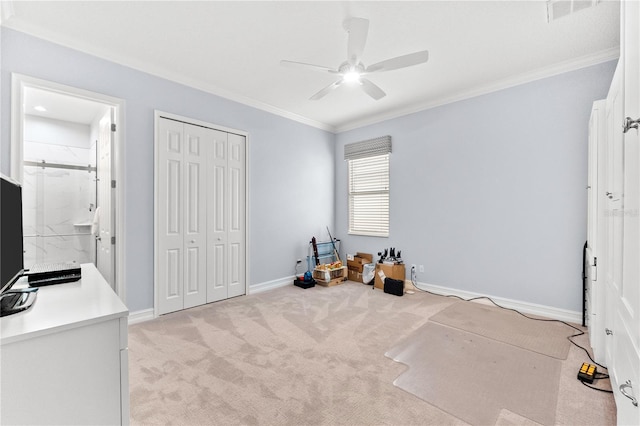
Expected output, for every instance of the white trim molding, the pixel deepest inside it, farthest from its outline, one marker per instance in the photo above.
(141, 316)
(271, 285)
(19, 83)
(517, 80)
(524, 307)
(157, 115)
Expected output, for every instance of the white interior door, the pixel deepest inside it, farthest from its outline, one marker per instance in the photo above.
(200, 215)
(226, 249)
(613, 196)
(104, 231)
(181, 215)
(236, 225)
(195, 209)
(626, 333)
(218, 218)
(595, 309)
(169, 226)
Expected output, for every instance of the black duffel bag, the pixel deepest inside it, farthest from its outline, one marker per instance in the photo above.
(392, 286)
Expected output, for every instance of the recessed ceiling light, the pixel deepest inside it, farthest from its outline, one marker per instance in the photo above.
(40, 108)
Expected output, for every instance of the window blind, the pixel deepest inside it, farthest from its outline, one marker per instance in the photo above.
(368, 148)
(369, 196)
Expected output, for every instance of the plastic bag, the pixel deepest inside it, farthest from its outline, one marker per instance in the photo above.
(368, 272)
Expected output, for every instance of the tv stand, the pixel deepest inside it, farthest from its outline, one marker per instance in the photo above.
(65, 360)
(14, 301)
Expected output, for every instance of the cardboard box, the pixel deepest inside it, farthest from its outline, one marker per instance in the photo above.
(390, 271)
(358, 261)
(355, 275)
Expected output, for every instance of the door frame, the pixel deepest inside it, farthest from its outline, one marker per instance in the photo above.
(20, 82)
(157, 115)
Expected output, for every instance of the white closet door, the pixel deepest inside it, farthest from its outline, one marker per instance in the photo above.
(170, 254)
(181, 217)
(625, 372)
(217, 218)
(226, 217)
(236, 225)
(195, 210)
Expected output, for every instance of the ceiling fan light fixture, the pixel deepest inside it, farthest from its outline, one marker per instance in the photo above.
(352, 76)
(352, 71)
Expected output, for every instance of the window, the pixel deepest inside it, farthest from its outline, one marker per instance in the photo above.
(368, 191)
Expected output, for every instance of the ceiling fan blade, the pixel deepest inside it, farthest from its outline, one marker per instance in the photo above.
(400, 62)
(330, 88)
(357, 29)
(371, 89)
(294, 64)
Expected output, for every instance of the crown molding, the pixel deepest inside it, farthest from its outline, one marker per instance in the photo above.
(16, 24)
(19, 25)
(528, 77)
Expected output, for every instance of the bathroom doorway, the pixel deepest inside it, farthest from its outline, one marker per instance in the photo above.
(64, 153)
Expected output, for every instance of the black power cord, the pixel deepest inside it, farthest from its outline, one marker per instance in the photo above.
(569, 338)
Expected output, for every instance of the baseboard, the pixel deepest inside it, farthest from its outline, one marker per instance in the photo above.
(147, 314)
(524, 307)
(141, 316)
(270, 285)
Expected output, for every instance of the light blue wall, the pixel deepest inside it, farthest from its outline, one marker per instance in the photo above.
(489, 193)
(291, 164)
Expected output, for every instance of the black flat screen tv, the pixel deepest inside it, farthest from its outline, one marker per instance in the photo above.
(11, 238)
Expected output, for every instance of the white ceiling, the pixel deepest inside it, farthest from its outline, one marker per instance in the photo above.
(233, 49)
(61, 107)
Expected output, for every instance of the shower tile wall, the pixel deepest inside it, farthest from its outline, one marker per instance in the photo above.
(59, 204)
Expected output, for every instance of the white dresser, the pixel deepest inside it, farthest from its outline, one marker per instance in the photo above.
(65, 360)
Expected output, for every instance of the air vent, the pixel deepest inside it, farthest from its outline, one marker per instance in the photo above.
(557, 9)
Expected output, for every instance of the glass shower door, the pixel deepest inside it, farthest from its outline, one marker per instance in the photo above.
(59, 202)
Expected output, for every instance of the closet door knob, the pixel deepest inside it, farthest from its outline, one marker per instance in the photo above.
(630, 124)
(192, 241)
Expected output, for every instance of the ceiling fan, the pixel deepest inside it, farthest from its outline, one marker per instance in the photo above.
(353, 70)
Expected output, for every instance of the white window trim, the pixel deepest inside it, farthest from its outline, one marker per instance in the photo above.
(379, 150)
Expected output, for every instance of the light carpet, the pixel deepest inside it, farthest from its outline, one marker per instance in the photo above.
(474, 378)
(544, 337)
(291, 356)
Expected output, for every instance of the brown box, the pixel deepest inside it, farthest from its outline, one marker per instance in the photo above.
(391, 271)
(358, 262)
(355, 275)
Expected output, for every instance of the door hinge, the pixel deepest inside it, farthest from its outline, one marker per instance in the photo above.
(113, 184)
(595, 261)
(113, 127)
(113, 240)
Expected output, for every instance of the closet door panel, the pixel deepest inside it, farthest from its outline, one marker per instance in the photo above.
(170, 217)
(217, 218)
(195, 226)
(173, 274)
(236, 209)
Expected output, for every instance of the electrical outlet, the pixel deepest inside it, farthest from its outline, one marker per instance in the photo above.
(421, 268)
(413, 266)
